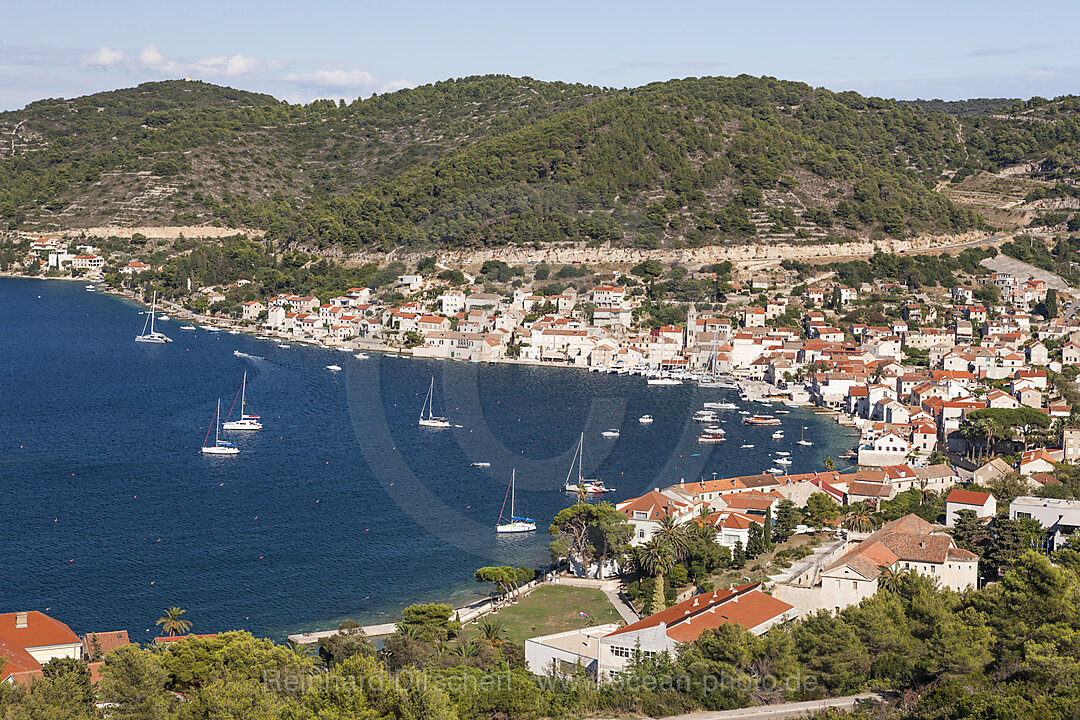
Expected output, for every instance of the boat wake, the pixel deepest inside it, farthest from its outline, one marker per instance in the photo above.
(244, 355)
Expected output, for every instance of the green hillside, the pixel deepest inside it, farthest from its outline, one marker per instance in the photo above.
(486, 161)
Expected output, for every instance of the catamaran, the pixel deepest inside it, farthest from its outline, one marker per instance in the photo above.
(516, 524)
(432, 420)
(802, 438)
(589, 487)
(220, 447)
(246, 422)
(152, 336)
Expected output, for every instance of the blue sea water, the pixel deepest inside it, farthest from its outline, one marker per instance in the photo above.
(340, 507)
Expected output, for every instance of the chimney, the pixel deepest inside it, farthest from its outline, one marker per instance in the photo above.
(21, 620)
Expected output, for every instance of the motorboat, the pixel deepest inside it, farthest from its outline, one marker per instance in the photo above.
(480, 464)
(663, 381)
(187, 327)
(762, 420)
(333, 368)
(778, 435)
(611, 433)
(645, 419)
(361, 356)
(720, 406)
(747, 446)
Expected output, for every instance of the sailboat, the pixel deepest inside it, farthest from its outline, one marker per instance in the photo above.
(246, 422)
(589, 487)
(431, 421)
(802, 438)
(516, 524)
(220, 447)
(152, 336)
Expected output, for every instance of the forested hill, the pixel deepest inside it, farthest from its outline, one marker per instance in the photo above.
(491, 160)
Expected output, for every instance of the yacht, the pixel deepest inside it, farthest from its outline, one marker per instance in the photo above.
(163, 317)
(187, 327)
(645, 419)
(220, 447)
(516, 524)
(663, 380)
(152, 336)
(720, 406)
(361, 356)
(333, 368)
(778, 435)
(711, 435)
(762, 420)
(705, 416)
(583, 485)
(246, 422)
(783, 461)
(432, 420)
(611, 433)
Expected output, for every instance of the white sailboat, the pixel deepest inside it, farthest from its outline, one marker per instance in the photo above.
(516, 524)
(246, 422)
(803, 440)
(589, 487)
(220, 447)
(432, 420)
(157, 338)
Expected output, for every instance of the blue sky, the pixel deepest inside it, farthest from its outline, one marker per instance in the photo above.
(300, 51)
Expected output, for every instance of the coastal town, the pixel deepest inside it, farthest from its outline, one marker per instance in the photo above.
(960, 396)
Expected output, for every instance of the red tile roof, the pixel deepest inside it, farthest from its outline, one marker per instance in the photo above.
(968, 497)
(743, 605)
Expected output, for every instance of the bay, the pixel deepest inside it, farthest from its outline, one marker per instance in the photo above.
(340, 507)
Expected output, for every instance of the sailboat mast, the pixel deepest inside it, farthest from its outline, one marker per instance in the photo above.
(243, 393)
(217, 421)
(513, 491)
(580, 456)
(152, 304)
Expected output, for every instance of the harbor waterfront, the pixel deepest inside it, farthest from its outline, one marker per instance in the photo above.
(340, 506)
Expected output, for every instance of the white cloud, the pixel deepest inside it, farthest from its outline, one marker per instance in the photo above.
(232, 66)
(104, 57)
(151, 57)
(335, 78)
(396, 85)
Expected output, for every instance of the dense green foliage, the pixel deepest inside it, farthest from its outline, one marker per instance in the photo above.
(493, 160)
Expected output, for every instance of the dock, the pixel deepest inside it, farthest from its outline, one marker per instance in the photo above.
(372, 631)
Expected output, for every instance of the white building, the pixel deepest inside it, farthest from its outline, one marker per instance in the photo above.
(1060, 517)
(566, 653)
(983, 504)
(683, 623)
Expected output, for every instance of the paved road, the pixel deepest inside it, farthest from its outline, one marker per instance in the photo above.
(784, 710)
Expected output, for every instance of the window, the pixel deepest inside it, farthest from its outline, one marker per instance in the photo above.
(854, 584)
(618, 651)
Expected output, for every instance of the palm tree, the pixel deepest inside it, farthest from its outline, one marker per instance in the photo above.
(466, 649)
(860, 519)
(657, 558)
(673, 535)
(891, 577)
(172, 623)
(830, 466)
(494, 631)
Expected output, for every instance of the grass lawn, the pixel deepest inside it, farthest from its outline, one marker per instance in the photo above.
(551, 609)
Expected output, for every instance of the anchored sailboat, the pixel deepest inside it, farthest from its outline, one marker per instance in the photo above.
(246, 422)
(802, 438)
(220, 447)
(152, 336)
(516, 524)
(432, 420)
(588, 487)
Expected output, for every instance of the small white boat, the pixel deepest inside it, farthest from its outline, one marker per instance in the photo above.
(663, 381)
(220, 447)
(480, 464)
(721, 406)
(163, 317)
(778, 435)
(516, 524)
(802, 438)
(211, 328)
(746, 447)
(707, 438)
(783, 461)
(783, 412)
(246, 422)
(611, 433)
(645, 419)
(782, 453)
(744, 412)
(333, 368)
(775, 471)
(284, 346)
(361, 356)
(89, 288)
(187, 327)
(431, 421)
